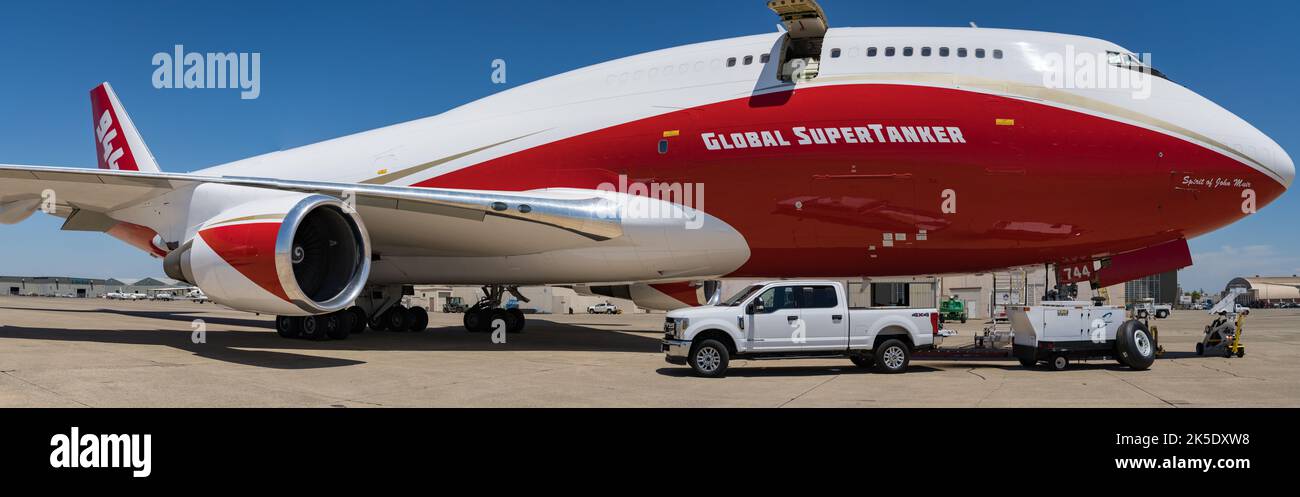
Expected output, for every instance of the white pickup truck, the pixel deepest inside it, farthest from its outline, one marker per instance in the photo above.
(795, 319)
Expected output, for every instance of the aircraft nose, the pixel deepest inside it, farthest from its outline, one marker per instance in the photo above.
(1285, 167)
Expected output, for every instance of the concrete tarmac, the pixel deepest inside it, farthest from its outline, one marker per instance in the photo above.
(98, 353)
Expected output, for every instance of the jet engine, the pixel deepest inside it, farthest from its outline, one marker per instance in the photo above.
(281, 253)
(659, 296)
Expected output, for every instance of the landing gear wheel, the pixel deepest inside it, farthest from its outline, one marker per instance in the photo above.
(1060, 363)
(1028, 362)
(892, 357)
(312, 328)
(337, 325)
(358, 319)
(377, 322)
(1134, 346)
(476, 320)
(419, 319)
(397, 319)
(1200, 349)
(514, 320)
(287, 327)
(493, 315)
(709, 359)
(862, 361)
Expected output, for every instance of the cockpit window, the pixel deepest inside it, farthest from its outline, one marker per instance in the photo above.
(1133, 62)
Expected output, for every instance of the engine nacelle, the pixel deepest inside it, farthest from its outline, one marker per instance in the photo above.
(288, 254)
(659, 296)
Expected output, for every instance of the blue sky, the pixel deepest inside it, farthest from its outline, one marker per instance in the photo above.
(334, 68)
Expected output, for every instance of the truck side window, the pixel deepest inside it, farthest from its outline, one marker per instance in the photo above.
(775, 299)
(818, 297)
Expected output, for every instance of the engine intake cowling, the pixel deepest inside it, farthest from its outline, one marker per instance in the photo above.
(290, 254)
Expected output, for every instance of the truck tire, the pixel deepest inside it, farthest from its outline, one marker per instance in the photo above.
(892, 357)
(1028, 362)
(862, 361)
(1162, 314)
(1143, 314)
(1134, 346)
(709, 359)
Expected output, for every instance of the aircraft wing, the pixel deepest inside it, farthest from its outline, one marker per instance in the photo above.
(400, 220)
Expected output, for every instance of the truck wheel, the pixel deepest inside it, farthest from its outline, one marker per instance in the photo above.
(1134, 346)
(964, 318)
(1200, 349)
(1028, 362)
(709, 359)
(1162, 314)
(1143, 314)
(892, 357)
(862, 361)
(1060, 362)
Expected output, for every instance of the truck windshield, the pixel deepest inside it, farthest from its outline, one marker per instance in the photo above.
(741, 296)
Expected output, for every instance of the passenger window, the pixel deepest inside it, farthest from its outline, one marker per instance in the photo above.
(925, 52)
(871, 52)
(765, 58)
(889, 51)
(775, 299)
(835, 53)
(663, 147)
(961, 52)
(979, 53)
(907, 51)
(819, 297)
(943, 51)
(749, 59)
(997, 54)
(731, 62)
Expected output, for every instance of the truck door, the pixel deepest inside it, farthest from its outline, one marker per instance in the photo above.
(776, 313)
(826, 319)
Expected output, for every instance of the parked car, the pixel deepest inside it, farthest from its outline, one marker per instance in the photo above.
(604, 308)
(795, 319)
(1148, 308)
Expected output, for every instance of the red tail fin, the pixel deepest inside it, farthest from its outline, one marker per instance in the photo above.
(117, 142)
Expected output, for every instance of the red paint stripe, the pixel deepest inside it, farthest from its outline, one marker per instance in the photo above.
(250, 249)
(682, 292)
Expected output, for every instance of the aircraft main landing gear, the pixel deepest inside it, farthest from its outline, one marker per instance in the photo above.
(480, 317)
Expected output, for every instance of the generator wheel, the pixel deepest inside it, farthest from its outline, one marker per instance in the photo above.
(1241, 352)
(1060, 362)
(1133, 345)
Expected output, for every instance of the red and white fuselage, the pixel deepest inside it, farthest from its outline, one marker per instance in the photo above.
(911, 151)
(965, 164)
